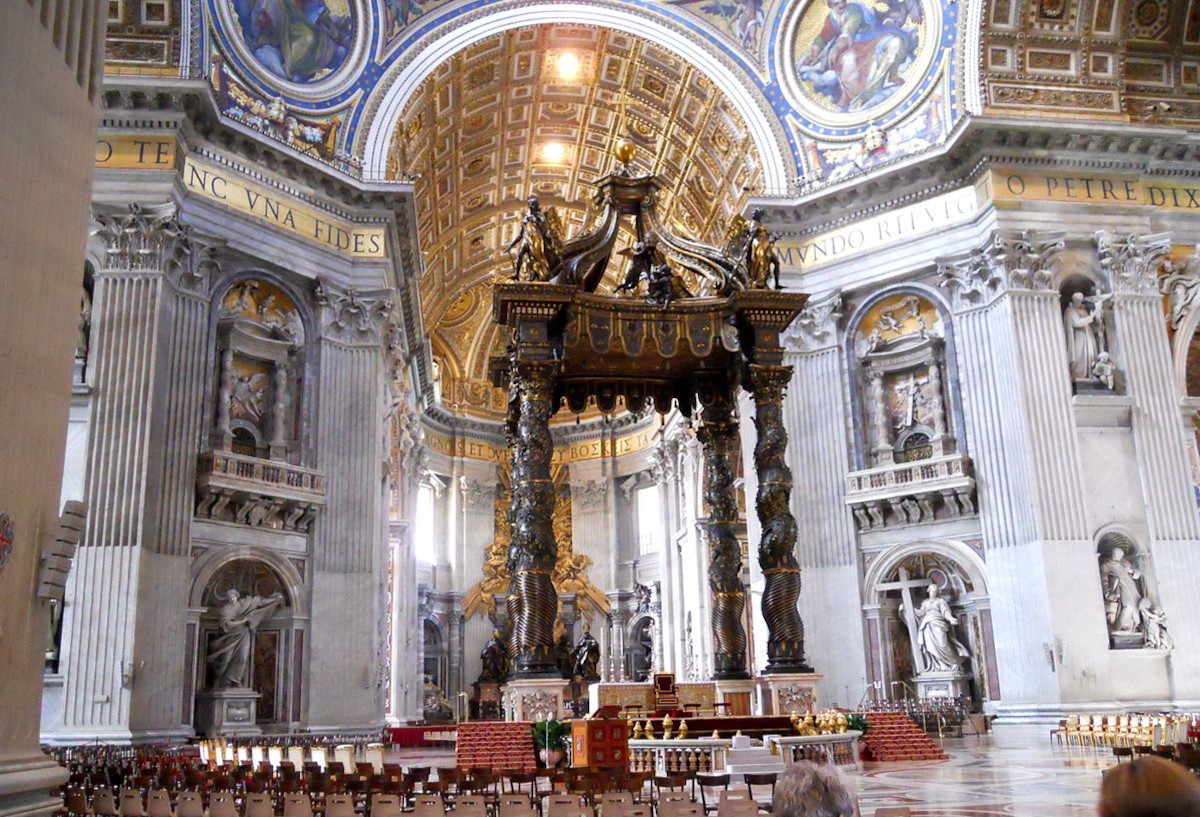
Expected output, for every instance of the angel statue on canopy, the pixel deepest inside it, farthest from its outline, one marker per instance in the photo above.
(538, 244)
(754, 245)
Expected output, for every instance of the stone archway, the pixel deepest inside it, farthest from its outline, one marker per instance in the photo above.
(894, 587)
(277, 654)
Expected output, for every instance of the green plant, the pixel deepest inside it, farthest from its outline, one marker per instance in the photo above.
(551, 735)
(857, 722)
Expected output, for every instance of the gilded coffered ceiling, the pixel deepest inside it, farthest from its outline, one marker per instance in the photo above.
(1123, 60)
(535, 111)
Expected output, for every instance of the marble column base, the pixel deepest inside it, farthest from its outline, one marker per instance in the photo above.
(739, 694)
(533, 699)
(26, 784)
(229, 713)
(950, 685)
(788, 693)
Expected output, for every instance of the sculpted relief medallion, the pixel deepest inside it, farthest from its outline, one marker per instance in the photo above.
(850, 61)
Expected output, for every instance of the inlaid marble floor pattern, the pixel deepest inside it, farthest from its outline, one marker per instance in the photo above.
(1015, 775)
(1018, 774)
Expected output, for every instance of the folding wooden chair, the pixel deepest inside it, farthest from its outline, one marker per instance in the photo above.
(296, 804)
(131, 803)
(189, 804)
(158, 804)
(385, 805)
(221, 804)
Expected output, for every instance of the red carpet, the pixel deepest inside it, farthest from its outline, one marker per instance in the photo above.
(496, 745)
(895, 736)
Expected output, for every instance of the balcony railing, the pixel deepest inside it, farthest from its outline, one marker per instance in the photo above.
(912, 492)
(257, 492)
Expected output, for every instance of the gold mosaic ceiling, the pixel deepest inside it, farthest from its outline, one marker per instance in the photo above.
(1123, 60)
(536, 111)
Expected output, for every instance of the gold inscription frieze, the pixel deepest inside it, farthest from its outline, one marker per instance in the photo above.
(573, 452)
(125, 151)
(226, 187)
(1014, 185)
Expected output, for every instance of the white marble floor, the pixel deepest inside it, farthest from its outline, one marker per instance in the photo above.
(1016, 773)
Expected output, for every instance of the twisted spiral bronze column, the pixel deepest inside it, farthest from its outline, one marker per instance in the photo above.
(531, 556)
(777, 548)
(718, 434)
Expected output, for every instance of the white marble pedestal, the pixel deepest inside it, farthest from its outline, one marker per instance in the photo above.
(228, 713)
(788, 693)
(949, 685)
(534, 699)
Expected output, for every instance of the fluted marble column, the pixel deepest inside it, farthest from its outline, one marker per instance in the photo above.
(124, 636)
(818, 454)
(349, 539)
(1022, 438)
(1133, 263)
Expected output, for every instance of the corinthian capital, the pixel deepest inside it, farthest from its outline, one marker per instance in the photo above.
(141, 238)
(816, 325)
(973, 278)
(1132, 262)
(1029, 257)
(351, 316)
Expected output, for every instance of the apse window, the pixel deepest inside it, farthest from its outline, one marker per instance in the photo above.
(649, 520)
(423, 534)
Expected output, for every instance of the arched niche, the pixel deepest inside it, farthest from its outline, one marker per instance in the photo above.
(639, 647)
(263, 358)
(904, 376)
(1084, 303)
(1131, 613)
(898, 578)
(279, 650)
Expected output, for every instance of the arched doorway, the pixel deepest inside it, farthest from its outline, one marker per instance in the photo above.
(639, 648)
(896, 585)
(276, 652)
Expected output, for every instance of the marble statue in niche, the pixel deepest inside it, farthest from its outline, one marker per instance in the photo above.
(1088, 358)
(1154, 627)
(1121, 580)
(941, 651)
(229, 652)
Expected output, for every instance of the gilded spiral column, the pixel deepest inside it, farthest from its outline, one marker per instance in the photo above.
(777, 548)
(718, 434)
(532, 600)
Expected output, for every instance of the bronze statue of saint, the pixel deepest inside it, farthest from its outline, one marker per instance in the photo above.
(587, 657)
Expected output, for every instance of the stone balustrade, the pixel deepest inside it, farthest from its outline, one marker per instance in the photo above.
(912, 492)
(840, 749)
(257, 492)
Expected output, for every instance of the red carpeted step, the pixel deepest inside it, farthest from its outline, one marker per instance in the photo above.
(893, 736)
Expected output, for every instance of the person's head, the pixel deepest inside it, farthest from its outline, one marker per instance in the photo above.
(1117, 554)
(1149, 787)
(809, 790)
(934, 591)
(1077, 298)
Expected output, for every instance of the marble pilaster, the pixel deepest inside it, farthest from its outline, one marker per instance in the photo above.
(818, 454)
(149, 330)
(1133, 263)
(1017, 400)
(349, 536)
